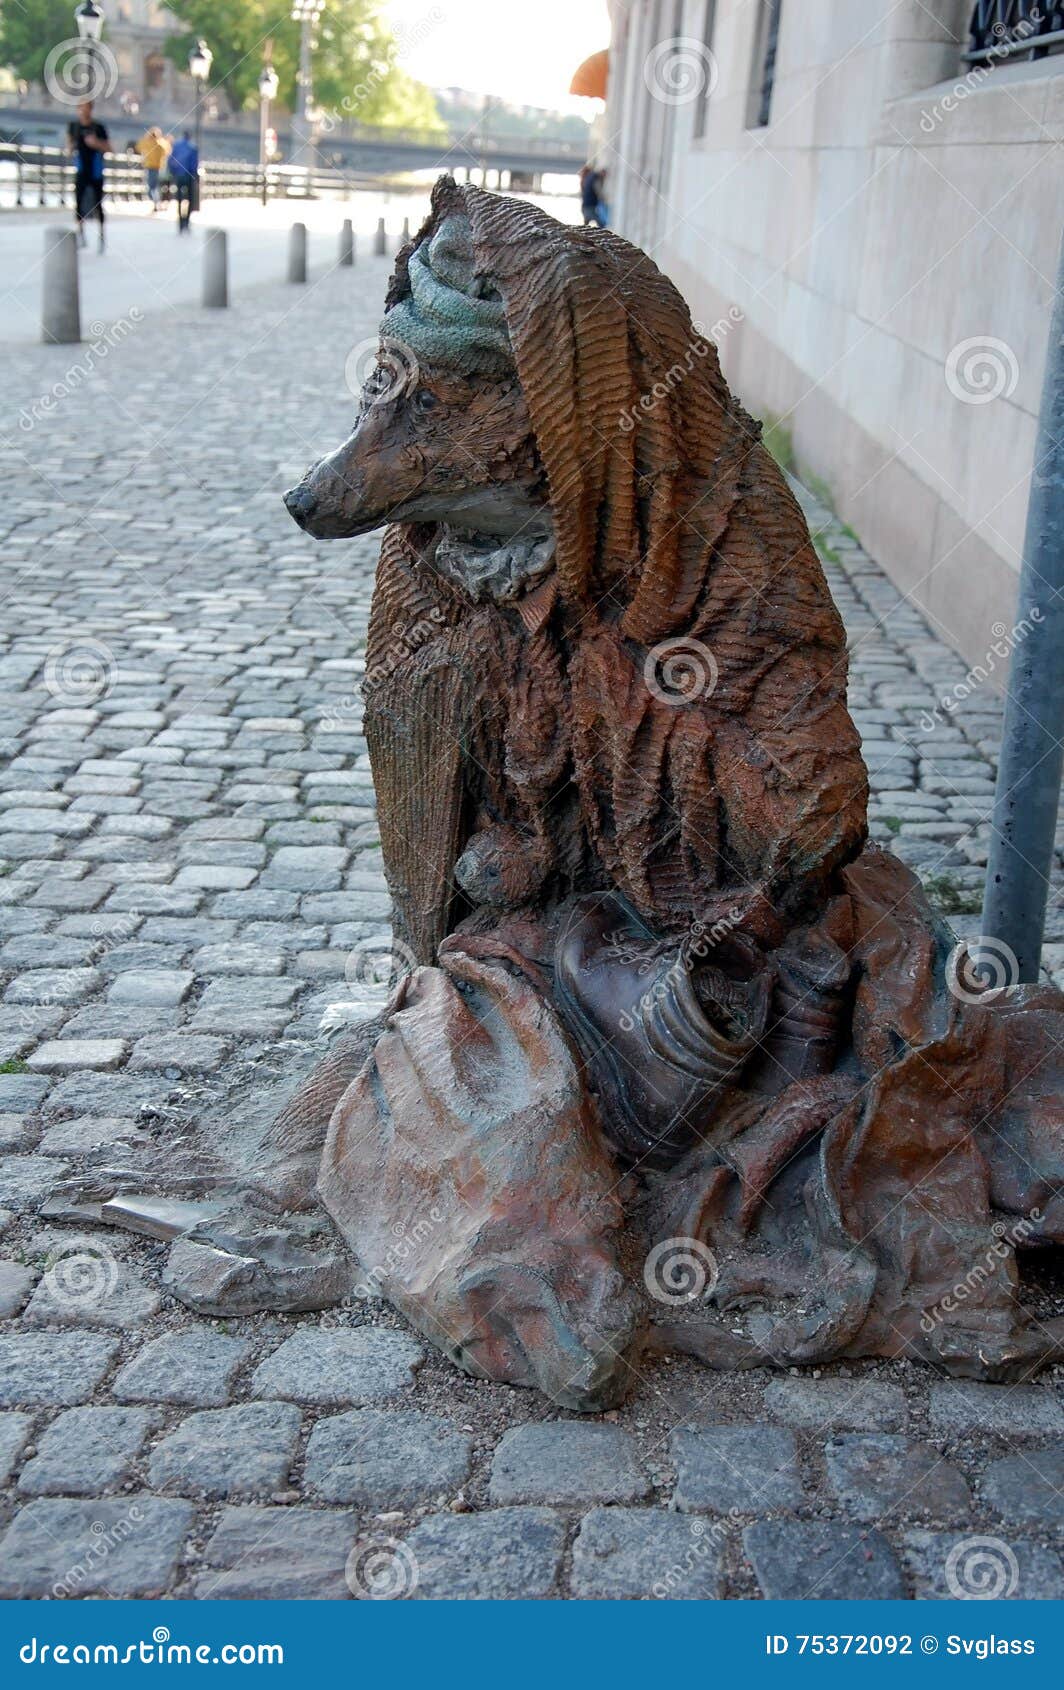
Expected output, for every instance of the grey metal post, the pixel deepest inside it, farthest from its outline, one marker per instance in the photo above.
(297, 253)
(61, 300)
(380, 239)
(1032, 748)
(347, 243)
(215, 268)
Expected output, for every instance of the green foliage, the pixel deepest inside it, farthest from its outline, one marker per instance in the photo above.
(356, 75)
(13, 1065)
(777, 439)
(949, 897)
(28, 32)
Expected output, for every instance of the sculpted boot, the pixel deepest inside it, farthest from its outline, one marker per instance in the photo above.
(808, 1012)
(662, 1033)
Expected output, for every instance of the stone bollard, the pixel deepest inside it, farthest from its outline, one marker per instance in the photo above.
(60, 300)
(297, 253)
(216, 268)
(347, 243)
(405, 236)
(380, 239)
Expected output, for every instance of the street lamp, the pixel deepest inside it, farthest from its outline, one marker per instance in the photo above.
(89, 19)
(200, 61)
(267, 92)
(268, 85)
(306, 14)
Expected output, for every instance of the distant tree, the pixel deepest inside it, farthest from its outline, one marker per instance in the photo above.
(356, 74)
(29, 29)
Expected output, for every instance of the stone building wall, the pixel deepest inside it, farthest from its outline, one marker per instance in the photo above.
(879, 257)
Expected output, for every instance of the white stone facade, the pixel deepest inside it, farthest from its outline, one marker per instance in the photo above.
(880, 257)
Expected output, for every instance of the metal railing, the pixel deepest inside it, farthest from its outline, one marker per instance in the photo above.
(45, 176)
(1007, 30)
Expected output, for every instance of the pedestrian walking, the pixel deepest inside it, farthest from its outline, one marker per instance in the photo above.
(88, 141)
(592, 205)
(184, 174)
(154, 150)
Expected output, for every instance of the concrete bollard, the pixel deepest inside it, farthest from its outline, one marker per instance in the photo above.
(405, 237)
(347, 243)
(380, 239)
(216, 268)
(60, 299)
(297, 253)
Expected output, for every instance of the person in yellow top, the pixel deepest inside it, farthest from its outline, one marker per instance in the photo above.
(154, 149)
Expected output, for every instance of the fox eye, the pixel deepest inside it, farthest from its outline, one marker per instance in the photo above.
(425, 399)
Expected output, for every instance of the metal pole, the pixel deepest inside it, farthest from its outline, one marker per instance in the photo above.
(1032, 746)
(199, 110)
(303, 90)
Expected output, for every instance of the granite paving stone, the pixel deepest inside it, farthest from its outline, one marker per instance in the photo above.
(336, 1367)
(882, 1475)
(279, 1554)
(382, 1459)
(806, 1560)
(1028, 1489)
(91, 1288)
(124, 1547)
(567, 1461)
(965, 1405)
(16, 1283)
(748, 1468)
(967, 1565)
(505, 1554)
(86, 1452)
(14, 1435)
(641, 1554)
(196, 1368)
(52, 1368)
(246, 1450)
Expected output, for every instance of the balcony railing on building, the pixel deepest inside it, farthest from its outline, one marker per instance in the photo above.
(1004, 31)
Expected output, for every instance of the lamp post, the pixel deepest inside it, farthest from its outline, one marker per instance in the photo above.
(267, 92)
(306, 14)
(200, 61)
(89, 19)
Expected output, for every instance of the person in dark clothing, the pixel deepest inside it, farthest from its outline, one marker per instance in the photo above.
(88, 141)
(184, 174)
(592, 205)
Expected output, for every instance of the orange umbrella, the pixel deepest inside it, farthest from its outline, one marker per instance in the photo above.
(590, 78)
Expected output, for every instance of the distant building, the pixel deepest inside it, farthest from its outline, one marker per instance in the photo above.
(136, 32)
(868, 199)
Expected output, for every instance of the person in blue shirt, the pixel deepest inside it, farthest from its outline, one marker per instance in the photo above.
(88, 141)
(184, 174)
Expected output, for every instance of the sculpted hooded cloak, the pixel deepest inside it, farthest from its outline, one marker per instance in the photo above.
(665, 713)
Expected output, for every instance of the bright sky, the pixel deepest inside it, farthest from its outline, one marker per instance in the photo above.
(524, 53)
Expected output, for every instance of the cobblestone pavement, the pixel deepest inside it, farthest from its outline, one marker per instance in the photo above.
(189, 859)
